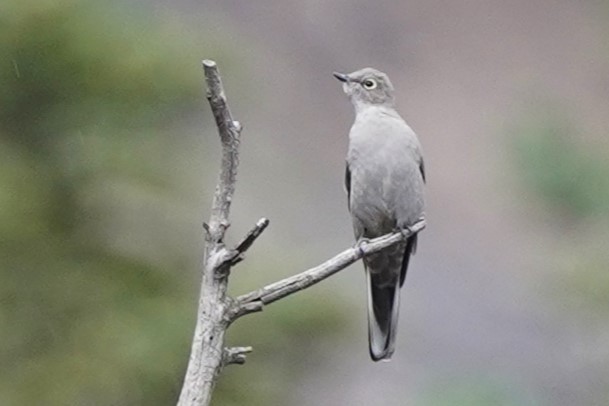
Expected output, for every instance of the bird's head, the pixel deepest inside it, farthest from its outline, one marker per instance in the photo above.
(367, 86)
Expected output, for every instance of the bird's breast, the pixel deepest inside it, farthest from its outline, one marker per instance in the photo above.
(386, 185)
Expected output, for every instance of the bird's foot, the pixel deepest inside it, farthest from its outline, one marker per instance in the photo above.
(406, 230)
(361, 245)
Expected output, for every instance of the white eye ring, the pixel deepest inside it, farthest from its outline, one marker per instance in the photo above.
(369, 84)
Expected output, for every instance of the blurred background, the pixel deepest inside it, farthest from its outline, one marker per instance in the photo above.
(108, 161)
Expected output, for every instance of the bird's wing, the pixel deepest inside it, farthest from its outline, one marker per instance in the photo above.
(422, 169)
(411, 247)
(348, 184)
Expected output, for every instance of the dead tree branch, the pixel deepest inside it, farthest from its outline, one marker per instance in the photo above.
(255, 300)
(216, 310)
(207, 351)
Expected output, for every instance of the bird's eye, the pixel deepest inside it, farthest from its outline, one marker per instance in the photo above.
(369, 84)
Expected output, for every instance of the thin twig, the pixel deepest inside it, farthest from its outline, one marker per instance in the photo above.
(248, 240)
(235, 355)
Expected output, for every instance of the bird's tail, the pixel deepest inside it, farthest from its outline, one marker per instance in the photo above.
(383, 309)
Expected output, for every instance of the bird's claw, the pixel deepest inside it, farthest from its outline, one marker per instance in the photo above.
(406, 231)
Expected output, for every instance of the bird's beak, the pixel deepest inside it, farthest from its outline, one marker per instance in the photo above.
(342, 77)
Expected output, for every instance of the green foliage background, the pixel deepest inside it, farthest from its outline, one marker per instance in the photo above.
(99, 224)
(566, 171)
(569, 176)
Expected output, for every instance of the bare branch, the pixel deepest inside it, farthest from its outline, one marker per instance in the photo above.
(255, 301)
(235, 355)
(229, 131)
(233, 257)
(252, 235)
(207, 351)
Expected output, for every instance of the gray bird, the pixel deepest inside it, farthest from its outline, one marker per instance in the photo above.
(384, 181)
